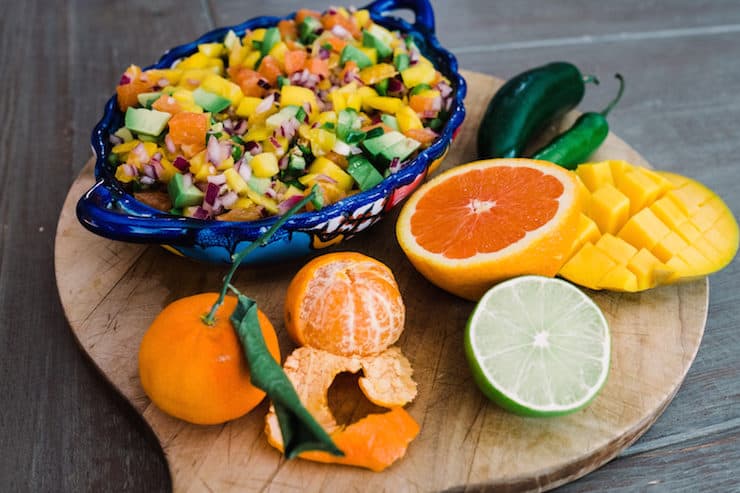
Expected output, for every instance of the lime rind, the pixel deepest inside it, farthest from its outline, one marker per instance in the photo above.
(538, 346)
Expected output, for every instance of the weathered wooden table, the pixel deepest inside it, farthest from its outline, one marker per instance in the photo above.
(63, 429)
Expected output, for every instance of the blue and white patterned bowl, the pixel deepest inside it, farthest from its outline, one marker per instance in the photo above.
(108, 210)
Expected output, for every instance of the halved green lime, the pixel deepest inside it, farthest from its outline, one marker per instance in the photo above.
(538, 346)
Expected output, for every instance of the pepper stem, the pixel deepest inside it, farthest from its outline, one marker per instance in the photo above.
(614, 102)
(237, 258)
(588, 79)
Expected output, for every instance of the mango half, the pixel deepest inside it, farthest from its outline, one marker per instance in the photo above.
(643, 228)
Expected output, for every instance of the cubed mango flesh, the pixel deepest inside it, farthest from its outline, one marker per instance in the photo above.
(609, 208)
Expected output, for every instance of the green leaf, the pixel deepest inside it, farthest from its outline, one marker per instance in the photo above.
(300, 430)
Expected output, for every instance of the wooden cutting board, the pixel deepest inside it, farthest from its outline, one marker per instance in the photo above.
(111, 291)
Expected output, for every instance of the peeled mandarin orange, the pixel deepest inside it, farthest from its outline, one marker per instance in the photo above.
(480, 223)
(345, 303)
(198, 372)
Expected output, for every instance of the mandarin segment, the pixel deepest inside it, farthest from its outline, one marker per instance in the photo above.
(345, 303)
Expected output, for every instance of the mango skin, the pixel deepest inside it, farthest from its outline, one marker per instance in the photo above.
(653, 228)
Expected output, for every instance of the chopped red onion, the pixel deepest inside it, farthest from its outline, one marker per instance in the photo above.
(340, 32)
(115, 139)
(140, 153)
(130, 170)
(228, 126)
(395, 85)
(181, 163)
(324, 53)
(263, 84)
(395, 165)
(289, 127)
(448, 104)
(307, 107)
(148, 171)
(218, 179)
(283, 163)
(341, 148)
(325, 178)
(211, 194)
(241, 127)
(169, 144)
(187, 180)
(444, 89)
(201, 186)
(163, 82)
(331, 11)
(200, 213)
(147, 180)
(125, 79)
(217, 151)
(245, 171)
(228, 199)
(288, 203)
(253, 147)
(270, 192)
(279, 151)
(266, 104)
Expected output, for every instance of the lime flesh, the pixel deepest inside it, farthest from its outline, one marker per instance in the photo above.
(538, 346)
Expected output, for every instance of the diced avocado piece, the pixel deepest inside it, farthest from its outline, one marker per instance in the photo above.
(376, 145)
(307, 30)
(296, 163)
(270, 39)
(182, 195)
(146, 122)
(353, 53)
(285, 113)
(373, 41)
(124, 133)
(389, 120)
(347, 120)
(401, 61)
(419, 89)
(259, 185)
(209, 101)
(147, 98)
(363, 172)
(400, 150)
(148, 138)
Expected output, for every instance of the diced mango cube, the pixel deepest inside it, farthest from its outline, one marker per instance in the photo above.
(595, 175)
(421, 73)
(362, 17)
(278, 52)
(644, 230)
(376, 73)
(296, 95)
(325, 166)
(354, 101)
(668, 212)
(689, 197)
(587, 266)
(211, 50)
(226, 164)
(247, 106)
(649, 270)
(620, 278)
(235, 181)
(269, 204)
(619, 167)
(250, 61)
(216, 84)
(688, 232)
(681, 270)
(639, 188)
(264, 165)
(200, 61)
(697, 262)
(618, 250)
(704, 247)
(668, 246)
(609, 208)
(408, 119)
(663, 183)
(385, 104)
(587, 231)
(258, 133)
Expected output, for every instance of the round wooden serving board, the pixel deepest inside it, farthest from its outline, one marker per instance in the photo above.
(111, 291)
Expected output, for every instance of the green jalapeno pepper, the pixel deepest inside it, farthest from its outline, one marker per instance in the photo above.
(585, 136)
(526, 104)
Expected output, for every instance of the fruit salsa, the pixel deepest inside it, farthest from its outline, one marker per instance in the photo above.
(242, 129)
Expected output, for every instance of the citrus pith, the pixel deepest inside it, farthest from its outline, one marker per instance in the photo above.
(480, 223)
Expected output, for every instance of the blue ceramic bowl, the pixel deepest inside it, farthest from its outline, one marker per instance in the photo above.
(108, 210)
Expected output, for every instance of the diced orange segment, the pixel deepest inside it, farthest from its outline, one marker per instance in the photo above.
(668, 246)
(618, 250)
(644, 230)
(668, 212)
(609, 208)
(620, 278)
(588, 266)
(595, 175)
(188, 128)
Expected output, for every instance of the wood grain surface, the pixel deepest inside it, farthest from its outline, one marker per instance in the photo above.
(465, 440)
(63, 428)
